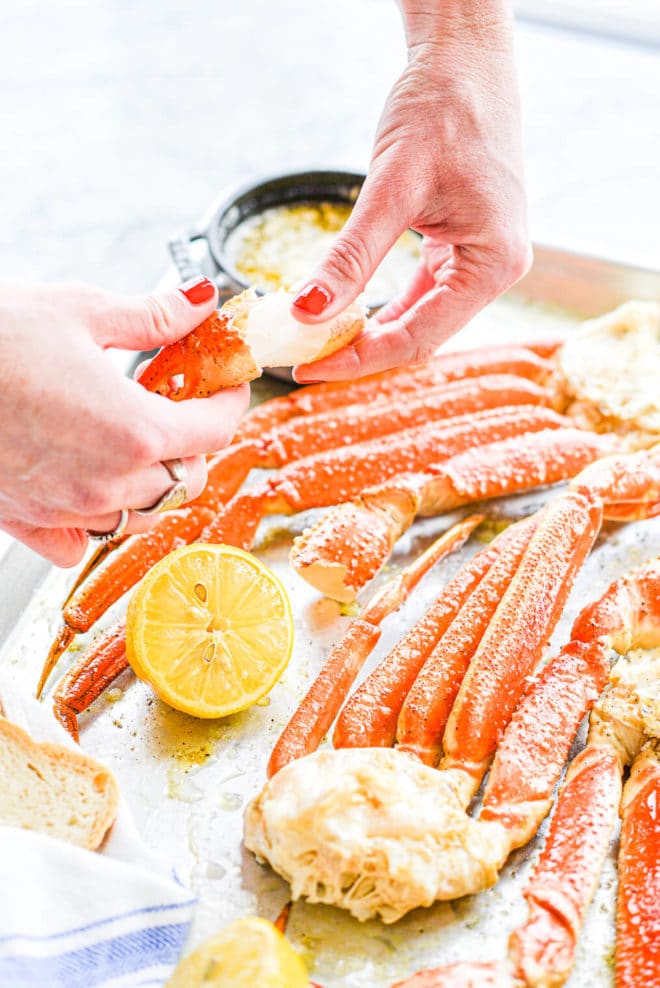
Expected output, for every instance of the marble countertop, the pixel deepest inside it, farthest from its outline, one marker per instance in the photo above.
(125, 119)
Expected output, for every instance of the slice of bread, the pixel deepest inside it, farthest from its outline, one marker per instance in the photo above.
(54, 789)
(248, 333)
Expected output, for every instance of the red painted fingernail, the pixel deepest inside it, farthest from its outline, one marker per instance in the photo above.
(313, 300)
(198, 290)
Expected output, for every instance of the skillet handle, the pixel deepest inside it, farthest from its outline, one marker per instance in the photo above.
(179, 248)
(188, 268)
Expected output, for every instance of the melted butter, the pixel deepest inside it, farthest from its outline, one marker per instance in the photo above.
(280, 247)
(613, 364)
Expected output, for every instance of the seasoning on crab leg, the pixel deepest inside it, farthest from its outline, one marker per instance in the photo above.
(369, 717)
(318, 709)
(338, 474)
(519, 360)
(346, 548)
(428, 704)
(92, 673)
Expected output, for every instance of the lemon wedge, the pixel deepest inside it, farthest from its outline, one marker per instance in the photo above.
(210, 629)
(250, 953)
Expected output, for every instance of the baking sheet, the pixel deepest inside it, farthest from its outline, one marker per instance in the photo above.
(188, 781)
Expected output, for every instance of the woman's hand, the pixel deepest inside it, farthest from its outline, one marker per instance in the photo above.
(79, 441)
(447, 162)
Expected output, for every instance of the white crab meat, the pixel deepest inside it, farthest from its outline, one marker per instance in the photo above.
(372, 830)
(612, 367)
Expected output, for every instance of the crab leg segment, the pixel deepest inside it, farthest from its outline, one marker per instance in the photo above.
(93, 672)
(369, 717)
(344, 426)
(345, 549)
(427, 706)
(339, 474)
(521, 627)
(318, 709)
(638, 909)
(566, 875)
(391, 384)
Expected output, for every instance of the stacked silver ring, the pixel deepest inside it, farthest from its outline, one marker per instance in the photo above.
(174, 497)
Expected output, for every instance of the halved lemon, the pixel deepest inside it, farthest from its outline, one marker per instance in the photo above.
(210, 629)
(250, 953)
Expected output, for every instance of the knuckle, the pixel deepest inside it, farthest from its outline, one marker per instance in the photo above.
(348, 263)
(158, 316)
(87, 500)
(515, 258)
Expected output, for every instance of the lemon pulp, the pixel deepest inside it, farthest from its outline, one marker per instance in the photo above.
(210, 629)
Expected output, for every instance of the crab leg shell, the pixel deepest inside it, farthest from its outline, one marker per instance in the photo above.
(520, 629)
(638, 910)
(347, 547)
(427, 706)
(310, 434)
(391, 384)
(533, 751)
(565, 878)
(320, 705)
(95, 669)
(370, 715)
(462, 974)
(338, 474)
(628, 485)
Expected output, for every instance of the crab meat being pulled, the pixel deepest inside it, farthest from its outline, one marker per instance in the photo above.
(248, 333)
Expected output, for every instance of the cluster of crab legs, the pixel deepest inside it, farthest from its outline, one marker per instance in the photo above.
(456, 693)
(467, 426)
(328, 443)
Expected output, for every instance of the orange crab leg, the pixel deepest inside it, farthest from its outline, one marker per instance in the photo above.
(339, 474)
(347, 547)
(391, 384)
(310, 722)
(565, 878)
(92, 673)
(370, 715)
(427, 706)
(521, 627)
(463, 974)
(638, 909)
(343, 426)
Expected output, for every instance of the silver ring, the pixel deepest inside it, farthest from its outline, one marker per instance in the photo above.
(175, 495)
(114, 534)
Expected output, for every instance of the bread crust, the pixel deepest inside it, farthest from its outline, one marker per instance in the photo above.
(54, 789)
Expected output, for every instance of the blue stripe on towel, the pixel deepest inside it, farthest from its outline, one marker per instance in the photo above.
(97, 963)
(146, 910)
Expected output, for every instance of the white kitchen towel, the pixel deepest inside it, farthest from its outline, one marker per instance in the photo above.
(71, 918)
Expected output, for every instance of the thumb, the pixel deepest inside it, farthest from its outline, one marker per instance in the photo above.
(150, 321)
(376, 223)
